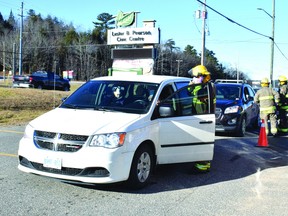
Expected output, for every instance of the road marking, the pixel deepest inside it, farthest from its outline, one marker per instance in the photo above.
(11, 131)
(9, 155)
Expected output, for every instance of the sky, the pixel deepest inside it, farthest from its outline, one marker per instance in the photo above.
(235, 46)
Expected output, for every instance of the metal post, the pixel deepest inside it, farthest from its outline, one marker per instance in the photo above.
(204, 16)
(20, 41)
(178, 60)
(14, 60)
(4, 57)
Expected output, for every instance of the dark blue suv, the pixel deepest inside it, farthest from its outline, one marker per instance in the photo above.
(235, 107)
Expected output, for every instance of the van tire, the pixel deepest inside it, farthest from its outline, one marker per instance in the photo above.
(141, 168)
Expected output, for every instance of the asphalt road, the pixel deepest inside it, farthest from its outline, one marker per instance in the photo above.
(244, 180)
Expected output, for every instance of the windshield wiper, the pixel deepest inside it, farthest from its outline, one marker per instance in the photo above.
(77, 106)
(108, 108)
(71, 106)
(102, 108)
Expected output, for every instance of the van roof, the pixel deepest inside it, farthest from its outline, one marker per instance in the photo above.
(144, 78)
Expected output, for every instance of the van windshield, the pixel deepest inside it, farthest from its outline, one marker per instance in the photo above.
(130, 97)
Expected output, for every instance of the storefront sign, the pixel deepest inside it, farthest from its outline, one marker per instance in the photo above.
(133, 36)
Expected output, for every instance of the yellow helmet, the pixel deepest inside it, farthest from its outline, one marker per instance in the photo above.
(200, 70)
(282, 78)
(265, 82)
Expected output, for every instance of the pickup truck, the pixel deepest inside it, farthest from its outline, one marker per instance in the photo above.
(21, 81)
(48, 80)
(41, 80)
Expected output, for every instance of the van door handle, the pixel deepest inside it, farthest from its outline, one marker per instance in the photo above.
(205, 122)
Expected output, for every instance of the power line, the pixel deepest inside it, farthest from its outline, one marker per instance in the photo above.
(58, 46)
(280, 51)
(271, 38)
(234, 21)
(9, 5)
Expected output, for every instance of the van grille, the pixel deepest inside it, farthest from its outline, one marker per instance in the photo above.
(59, 141)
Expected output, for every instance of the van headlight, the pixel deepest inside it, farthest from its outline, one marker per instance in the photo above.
(232, 109)
(29, 132)
(111, 140)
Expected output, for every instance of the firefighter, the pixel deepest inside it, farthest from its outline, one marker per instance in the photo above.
(200, 75)
(283, 105)
(267, 98)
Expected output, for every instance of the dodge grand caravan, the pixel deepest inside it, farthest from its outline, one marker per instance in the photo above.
(88, 140)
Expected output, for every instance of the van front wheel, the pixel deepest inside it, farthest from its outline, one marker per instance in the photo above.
(141, 168)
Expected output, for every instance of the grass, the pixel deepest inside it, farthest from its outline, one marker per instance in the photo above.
(18, 106)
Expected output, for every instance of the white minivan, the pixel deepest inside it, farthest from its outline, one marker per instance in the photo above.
(95, 137)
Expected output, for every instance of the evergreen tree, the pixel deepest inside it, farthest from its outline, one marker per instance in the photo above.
(103, 23)
(12, 22)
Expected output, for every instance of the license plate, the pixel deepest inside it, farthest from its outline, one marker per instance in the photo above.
(52, 162)
(24, 85)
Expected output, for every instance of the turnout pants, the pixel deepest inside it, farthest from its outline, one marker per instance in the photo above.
(273, 122)
(283, 123)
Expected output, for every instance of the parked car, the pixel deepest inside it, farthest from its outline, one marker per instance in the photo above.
(21, 81)
(235, 107)
(88, 139)
(48, 80)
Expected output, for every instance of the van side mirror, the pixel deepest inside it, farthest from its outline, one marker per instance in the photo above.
(166, 110)
(250, 98)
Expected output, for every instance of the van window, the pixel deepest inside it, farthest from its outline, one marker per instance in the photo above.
(190, 100)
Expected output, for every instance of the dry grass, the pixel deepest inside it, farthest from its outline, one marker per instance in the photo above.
(18, 106)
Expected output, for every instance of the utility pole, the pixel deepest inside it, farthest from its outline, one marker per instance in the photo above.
(272, 44)
(20, 40)
(178, 60)
(4, 69)
(204, 17)
(14, 60)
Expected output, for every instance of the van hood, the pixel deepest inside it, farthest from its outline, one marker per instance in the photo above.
(84, 122)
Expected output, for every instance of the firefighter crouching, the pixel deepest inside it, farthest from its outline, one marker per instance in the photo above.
(267, 98)
(283, 105)
(200, 75)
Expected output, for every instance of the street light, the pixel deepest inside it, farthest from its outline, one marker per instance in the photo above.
(265, 12)
(272, 39)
